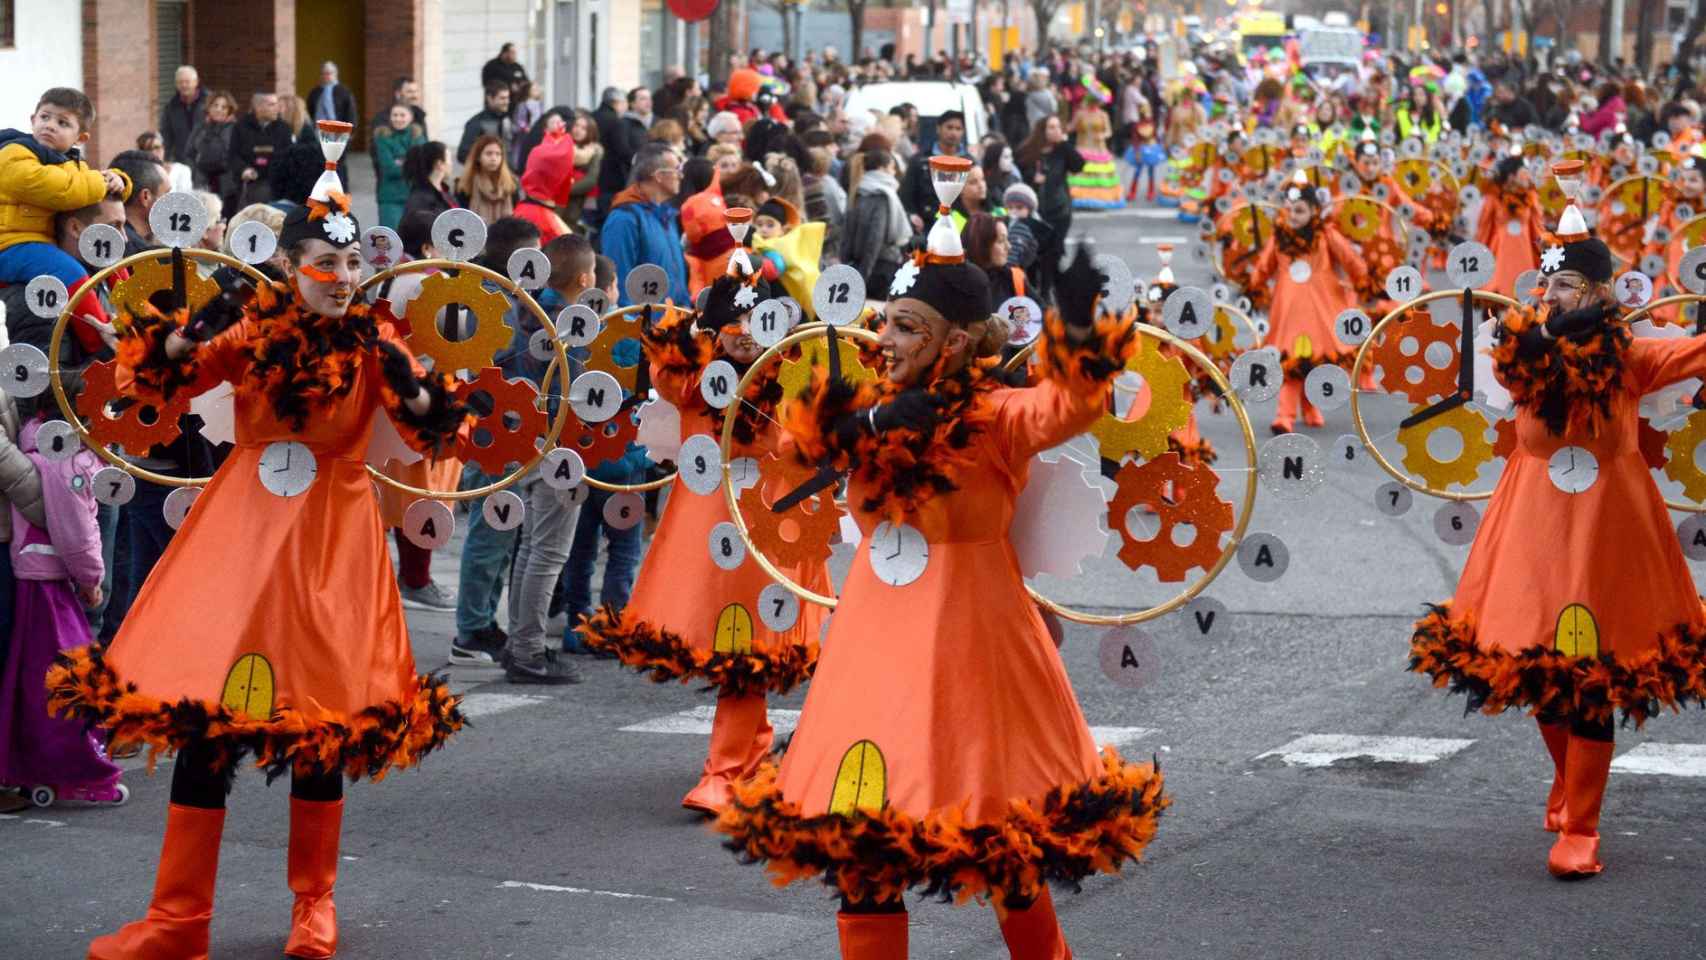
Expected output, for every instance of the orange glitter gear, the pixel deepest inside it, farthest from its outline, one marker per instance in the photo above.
(1388, 354)
(1504, 442)
(600, 443)
(491, 333)
(146, 422)
(1178, 494)
(799, 535)
(513, 402)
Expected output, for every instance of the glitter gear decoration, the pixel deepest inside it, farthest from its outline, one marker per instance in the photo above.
(1169, 408)
(796, 373)
(1681, 466)
(600, 443)
(137, 426)
(1177, 494)
(799, 535)
(491, 333)
(1476, 448)
(512, 427)
(1407, 371)
(154, 275)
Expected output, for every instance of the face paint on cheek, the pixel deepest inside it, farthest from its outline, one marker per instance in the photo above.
(317, 275)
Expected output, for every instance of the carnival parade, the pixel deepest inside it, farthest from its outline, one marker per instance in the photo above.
(1098, 480)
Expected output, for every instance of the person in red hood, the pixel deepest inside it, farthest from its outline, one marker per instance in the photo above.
(709, 243)
(742, 96)
(550, 175)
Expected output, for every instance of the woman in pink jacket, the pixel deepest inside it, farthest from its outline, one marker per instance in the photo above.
(58, 572)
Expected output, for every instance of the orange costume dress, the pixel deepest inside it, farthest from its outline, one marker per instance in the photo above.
(1309, 293)
(1512, 226)
(1575, 603)
(689, 619)
(941, 746)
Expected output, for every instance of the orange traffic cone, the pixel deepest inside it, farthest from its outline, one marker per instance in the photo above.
(175, 927)
(1586, 768)
(740, 739)
(312, 872)
(1034, 932)
(872, 936)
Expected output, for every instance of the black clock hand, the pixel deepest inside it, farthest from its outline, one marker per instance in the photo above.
(1466, 348)
(1422, 416)
(825, 477)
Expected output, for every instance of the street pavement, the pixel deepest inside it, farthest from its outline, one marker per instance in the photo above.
(1325, 802)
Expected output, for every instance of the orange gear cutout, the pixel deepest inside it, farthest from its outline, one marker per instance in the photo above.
(1395, 365)
(513, 426)
(142, 424)
(600, 443)
(1178, 494)
(799, 535)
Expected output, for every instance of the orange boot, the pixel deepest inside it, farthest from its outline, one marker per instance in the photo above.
(1586, 768)
(313, 871)
(175, 927)
(1034, 932)
(1285, 414)
(872, 936)
(1557, 737)
(740, 739)
(1312, 415)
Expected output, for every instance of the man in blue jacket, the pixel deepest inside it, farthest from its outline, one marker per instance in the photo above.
(643, 225)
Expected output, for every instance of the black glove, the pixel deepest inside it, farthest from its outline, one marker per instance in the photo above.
(1076, 294)
(914, 409)
(398, 370)
(220, 313)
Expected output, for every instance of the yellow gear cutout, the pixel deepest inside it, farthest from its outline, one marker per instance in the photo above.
(1415, 176)
(1577, 634)
(1477, 449)
(250, 687)
(796, 375)
(1681, 466)
(153, 275)
(1359, 218)
(1220, 342)
(1168, 410)
(1243, 224)
(734, 630)
(601, 352)
(491, 333)
(862, 781)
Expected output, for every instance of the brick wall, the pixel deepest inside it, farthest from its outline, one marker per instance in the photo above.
(243, 47)
(394, 36)
(118, 73)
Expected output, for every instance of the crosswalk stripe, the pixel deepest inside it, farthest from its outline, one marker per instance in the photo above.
(1325, 749)
(1666, 759)
(697, 722)
(476, 705)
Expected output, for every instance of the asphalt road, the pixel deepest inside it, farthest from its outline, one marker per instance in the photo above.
(548, 830)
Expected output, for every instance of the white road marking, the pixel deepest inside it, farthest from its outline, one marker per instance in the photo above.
(476, 705)
(1666, 759)
(1120, 736)
(1325, 749)
(20, 819)
(554, 888)
(1135, 213)
(697, 722)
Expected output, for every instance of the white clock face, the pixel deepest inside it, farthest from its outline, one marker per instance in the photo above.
(288, 468)
(1572, 469)
(899, 553)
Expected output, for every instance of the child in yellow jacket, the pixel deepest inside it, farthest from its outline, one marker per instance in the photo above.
(42, 175)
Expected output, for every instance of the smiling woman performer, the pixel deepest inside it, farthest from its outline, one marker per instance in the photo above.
(272, 625)
(941, 747)
(1575, 603)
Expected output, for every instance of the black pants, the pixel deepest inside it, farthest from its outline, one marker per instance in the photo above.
(197, 781)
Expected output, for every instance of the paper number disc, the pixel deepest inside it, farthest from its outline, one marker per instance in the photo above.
(624, 511)
(728, 550)
(502, 510)
(1263, 557)
(717, 383)
(57, 440)
(777, 608)
(114, 487)
(839, 296)
(578, 325)
(459, 234)
(177, 506)
(178, 219)
(46, 296)
(1188, 313)
(254, 242)
(23, 370)
(428, 524)
(769, 322)
(1328, 387)
(595, 396)
(1469, 265)
(562, 469)
(647, 283)
(529, 268)
(102, 245)
(701, 464)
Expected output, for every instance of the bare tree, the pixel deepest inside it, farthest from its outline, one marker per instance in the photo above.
(782, 8)
(1644, 29)
(722, 31)
(1691, 34)
(1045, 11)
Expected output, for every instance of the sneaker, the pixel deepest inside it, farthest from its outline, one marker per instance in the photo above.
(548, 671)
(430, 597)
(468, 653)
(483, 646)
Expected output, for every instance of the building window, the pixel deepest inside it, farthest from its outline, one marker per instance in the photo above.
(8, 23)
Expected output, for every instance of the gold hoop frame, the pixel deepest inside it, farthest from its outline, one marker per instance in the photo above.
(1498, 299)
(1680, 299)
(1190, 593)
(55, 374)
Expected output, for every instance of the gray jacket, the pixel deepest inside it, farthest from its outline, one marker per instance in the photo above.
(20, 484)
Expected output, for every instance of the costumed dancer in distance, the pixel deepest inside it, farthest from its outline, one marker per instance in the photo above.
(1575, 603)
(1314, 271)
(303, 660)
(941, 746)
(1511, 223)
(681, 623)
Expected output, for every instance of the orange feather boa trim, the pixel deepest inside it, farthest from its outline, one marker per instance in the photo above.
(664, 656)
